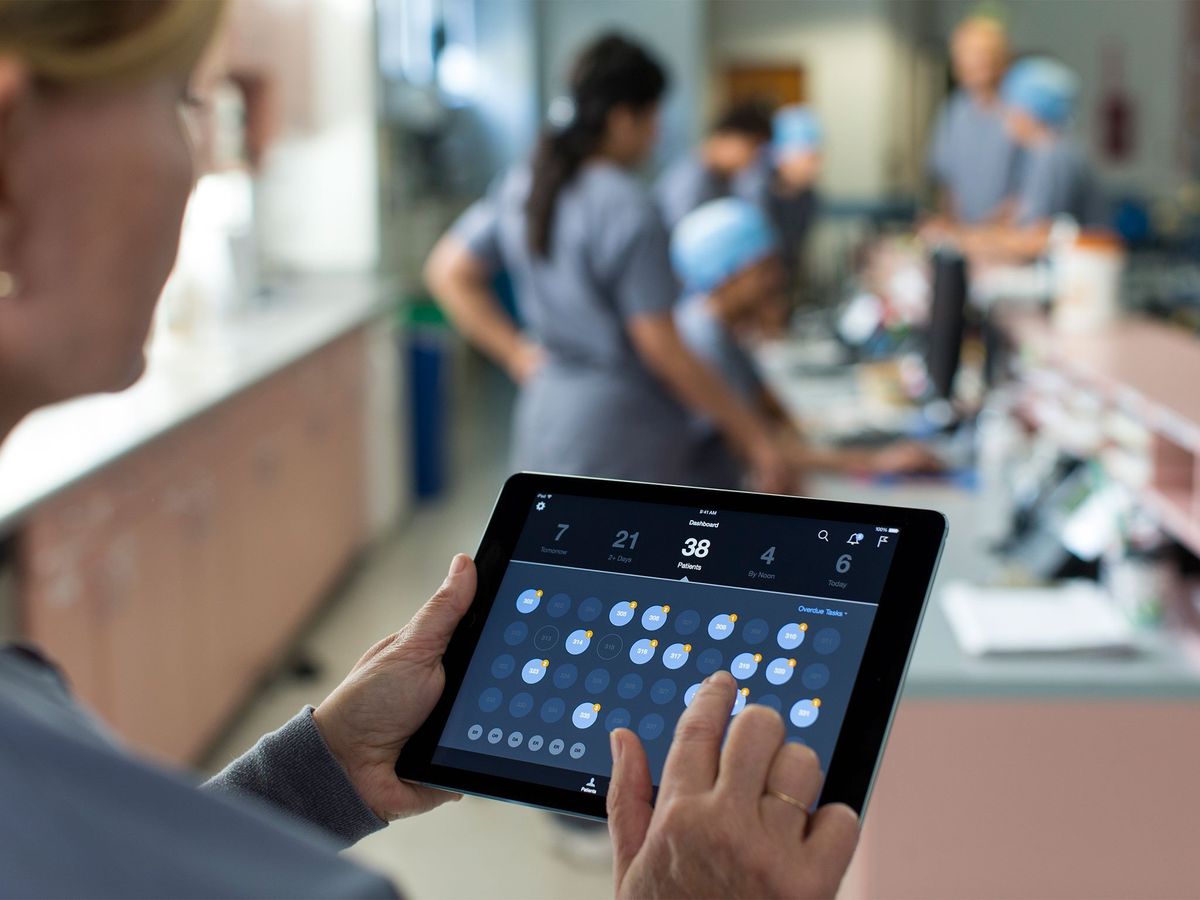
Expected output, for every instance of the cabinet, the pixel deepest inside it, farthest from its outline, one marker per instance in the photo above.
(167, 584)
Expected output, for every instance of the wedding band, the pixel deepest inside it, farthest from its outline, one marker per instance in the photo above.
(788, 799)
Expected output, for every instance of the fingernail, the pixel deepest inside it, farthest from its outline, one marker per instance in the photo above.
(458, 564)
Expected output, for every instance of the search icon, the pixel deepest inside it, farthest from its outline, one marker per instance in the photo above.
(823, 536)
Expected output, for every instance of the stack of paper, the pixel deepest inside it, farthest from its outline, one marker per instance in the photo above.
(1076, 617)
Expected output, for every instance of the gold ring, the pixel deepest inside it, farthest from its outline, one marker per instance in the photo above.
(788, 799)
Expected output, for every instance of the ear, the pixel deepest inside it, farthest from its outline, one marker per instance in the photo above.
(14, 82)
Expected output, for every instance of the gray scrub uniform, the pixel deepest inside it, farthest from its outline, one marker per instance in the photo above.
(973, 157)
(594, 408)
(713, 464)
(1058, 181)
(685, 185)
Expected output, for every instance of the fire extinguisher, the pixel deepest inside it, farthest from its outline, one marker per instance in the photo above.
(1117, 114)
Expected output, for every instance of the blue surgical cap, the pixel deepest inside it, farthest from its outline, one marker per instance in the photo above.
(715, 241)
(1043, 88)
(795, 129)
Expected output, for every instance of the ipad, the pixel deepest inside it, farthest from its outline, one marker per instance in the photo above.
(603, 604)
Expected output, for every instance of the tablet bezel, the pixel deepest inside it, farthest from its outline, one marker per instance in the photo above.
(873, 699)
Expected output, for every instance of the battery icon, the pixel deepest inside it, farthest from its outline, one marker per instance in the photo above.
(893, 531)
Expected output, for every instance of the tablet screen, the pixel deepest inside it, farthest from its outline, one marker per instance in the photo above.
(611, 612)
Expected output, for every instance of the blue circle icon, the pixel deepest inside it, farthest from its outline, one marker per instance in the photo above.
(475, 732)
(495, 736)
(535, 670)
(642, 651)
(590, 609)
(804, 713)
(535, 742)
(676, 656)
(597, 681)
(815, 676)
(687, 622)
(629, 686)
(756, 631)
(514, 739)
(490, 699)
(739, 703)
(651, 727)
(622, 613)
(655, 617)
(553, 710)
(502, 666)
(663, 691)
(690, 694)
(709, 661)
(556, 746)
(585, 715)
(609, 647)
(721, 627)
(520, 705)
(559, 606)
(769, 700)
(515, 633)
(577, 750)
(564, 676)
(578, 641)
(790, 636)
(779, 670)
(618, 718)
(826, 641)
(528, 601)
(744, 666)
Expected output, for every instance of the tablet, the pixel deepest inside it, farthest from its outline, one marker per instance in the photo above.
(603, 604)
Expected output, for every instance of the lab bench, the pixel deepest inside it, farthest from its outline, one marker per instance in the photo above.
(168, 542)
(1024, 776)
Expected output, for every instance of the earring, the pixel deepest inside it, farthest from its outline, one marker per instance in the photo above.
(8, 284)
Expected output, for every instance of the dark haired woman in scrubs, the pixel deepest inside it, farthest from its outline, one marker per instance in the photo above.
(606, 383)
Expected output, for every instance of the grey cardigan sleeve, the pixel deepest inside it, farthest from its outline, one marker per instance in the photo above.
(294, 770)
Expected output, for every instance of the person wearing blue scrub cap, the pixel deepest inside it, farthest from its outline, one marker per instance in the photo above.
(726, 254)
(1056, 180)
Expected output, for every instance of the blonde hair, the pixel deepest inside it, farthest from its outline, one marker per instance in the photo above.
(104, 42)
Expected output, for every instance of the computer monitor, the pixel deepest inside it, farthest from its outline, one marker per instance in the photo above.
(947, 321)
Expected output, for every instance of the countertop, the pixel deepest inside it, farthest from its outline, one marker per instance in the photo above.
(59, 446)
(1167, 667)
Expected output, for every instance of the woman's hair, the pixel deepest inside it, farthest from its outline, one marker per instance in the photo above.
(750, 119)
(610, 72)
(104, 42)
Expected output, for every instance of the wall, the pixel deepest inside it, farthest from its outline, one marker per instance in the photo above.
(858, 60)
(674, 29)
(1150, 37)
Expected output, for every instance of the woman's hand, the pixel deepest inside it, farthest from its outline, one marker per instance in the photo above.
(771, 471)
(730, 822)
(388, 695)
(524, 362)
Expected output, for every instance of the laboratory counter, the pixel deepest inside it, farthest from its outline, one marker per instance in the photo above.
(1023, 776)
(190, 526)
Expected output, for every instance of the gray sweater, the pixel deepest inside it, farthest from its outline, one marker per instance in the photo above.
(79, 816)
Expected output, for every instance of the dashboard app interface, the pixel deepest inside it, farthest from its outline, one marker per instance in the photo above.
(612, 612)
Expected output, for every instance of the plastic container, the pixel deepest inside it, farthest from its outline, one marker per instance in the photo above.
(426, 340)
(1089, 272)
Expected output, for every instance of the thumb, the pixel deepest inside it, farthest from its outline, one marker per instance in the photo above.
(629, 794)
(435, 622)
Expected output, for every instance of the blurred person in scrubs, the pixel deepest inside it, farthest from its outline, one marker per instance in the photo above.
(607, 386)
(726, 253)
(783, 183)
(732, 148)
(1056, 182)
(973, 158)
